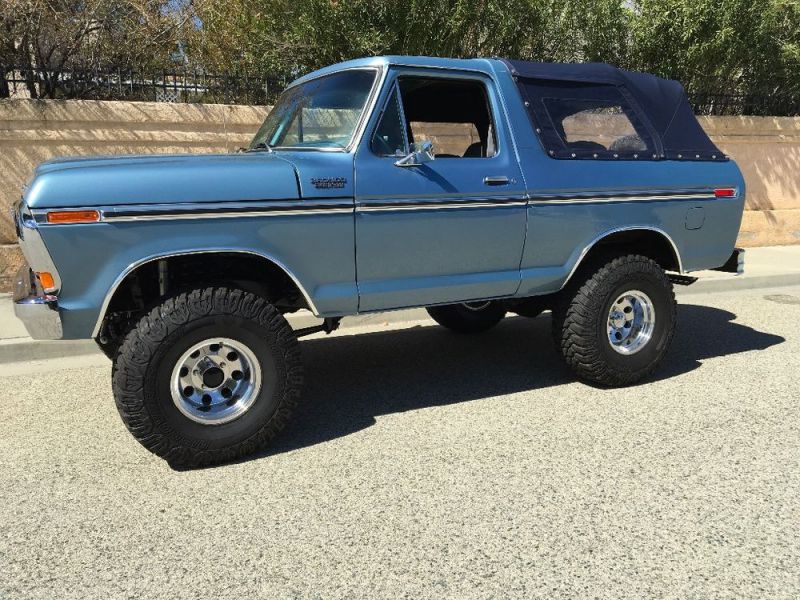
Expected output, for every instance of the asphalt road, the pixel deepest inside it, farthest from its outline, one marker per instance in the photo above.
(427, 465)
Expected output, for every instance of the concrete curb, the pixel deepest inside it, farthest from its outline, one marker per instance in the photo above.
(25, 349)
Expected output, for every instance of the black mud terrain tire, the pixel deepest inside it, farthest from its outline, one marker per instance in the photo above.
(584, 324)
(468, 317)
(144, 370)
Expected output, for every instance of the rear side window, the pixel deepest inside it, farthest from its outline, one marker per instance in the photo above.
(592, 125)
(581, 120)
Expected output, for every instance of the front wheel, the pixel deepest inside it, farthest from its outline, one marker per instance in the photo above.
(208, 376)
(468, 317)
(615, 323)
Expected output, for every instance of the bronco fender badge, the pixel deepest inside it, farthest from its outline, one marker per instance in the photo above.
(328, 182)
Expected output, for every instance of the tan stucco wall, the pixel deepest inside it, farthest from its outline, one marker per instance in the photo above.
(766, 148)
(32, 131)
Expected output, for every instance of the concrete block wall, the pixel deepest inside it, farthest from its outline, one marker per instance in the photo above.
(31, 131)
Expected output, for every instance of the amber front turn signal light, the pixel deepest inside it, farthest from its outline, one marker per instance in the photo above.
(47, 281)
(73, 216)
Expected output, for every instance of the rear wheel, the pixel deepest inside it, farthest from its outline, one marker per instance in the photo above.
(615, 323)
(208, 376)
(468, 317)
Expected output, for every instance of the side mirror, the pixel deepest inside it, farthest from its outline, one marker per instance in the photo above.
(422, 153)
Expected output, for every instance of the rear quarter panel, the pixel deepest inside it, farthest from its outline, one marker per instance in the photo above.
(559, 233)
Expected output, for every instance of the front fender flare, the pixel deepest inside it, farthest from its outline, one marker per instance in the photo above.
(150, 258)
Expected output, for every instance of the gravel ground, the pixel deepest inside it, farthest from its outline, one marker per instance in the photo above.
(424, 464)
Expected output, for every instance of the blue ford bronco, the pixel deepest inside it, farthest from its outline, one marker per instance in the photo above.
(474, 188)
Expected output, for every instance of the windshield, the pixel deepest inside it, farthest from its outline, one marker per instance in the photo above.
(322, 113)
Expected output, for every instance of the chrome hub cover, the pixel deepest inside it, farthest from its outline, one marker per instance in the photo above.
(215, 381)
(631, 321)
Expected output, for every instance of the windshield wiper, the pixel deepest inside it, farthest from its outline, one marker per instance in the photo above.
(261, 146)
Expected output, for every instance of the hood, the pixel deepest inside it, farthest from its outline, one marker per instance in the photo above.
(161, 179)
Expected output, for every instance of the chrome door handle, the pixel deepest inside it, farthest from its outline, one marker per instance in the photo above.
(497, 180)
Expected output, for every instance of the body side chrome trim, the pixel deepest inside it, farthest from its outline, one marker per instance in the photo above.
(195, 210)
(222, 215)
(345, 205)
(545, 200)
(487, 194)
(439, 206)
(605, 234)
(148, 259)
(442, 199)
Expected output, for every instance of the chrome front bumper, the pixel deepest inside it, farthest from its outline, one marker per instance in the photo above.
(37, 310)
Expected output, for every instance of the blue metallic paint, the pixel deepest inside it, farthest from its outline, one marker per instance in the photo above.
(317, 249)
(425, 257)
(404, 258)
(558, 233)
(161, 179)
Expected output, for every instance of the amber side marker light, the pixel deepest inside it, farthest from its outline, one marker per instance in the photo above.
(47, 281)
(73, 216)
(724, 192)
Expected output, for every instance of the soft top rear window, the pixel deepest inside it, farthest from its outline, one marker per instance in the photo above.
(594, 110)
(598, 126)
(584, 120)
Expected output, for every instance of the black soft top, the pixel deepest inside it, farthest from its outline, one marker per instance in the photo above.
(660, 103)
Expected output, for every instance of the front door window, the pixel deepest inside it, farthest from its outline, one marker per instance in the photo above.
(452, 114)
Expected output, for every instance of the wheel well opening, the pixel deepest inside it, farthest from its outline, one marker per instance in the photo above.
(150, 283)
(646, 242)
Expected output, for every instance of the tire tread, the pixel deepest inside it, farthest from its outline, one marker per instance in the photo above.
(575, 315)
(134, 358)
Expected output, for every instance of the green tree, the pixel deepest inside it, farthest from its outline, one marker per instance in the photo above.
(305, 34)
(742, 46)
(720, 45)
(45, 38)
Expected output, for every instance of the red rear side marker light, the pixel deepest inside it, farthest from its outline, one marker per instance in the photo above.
(724, 192)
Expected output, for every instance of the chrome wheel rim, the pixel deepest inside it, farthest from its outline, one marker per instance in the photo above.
(631, 322)
(476, 306)
(216, 381)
